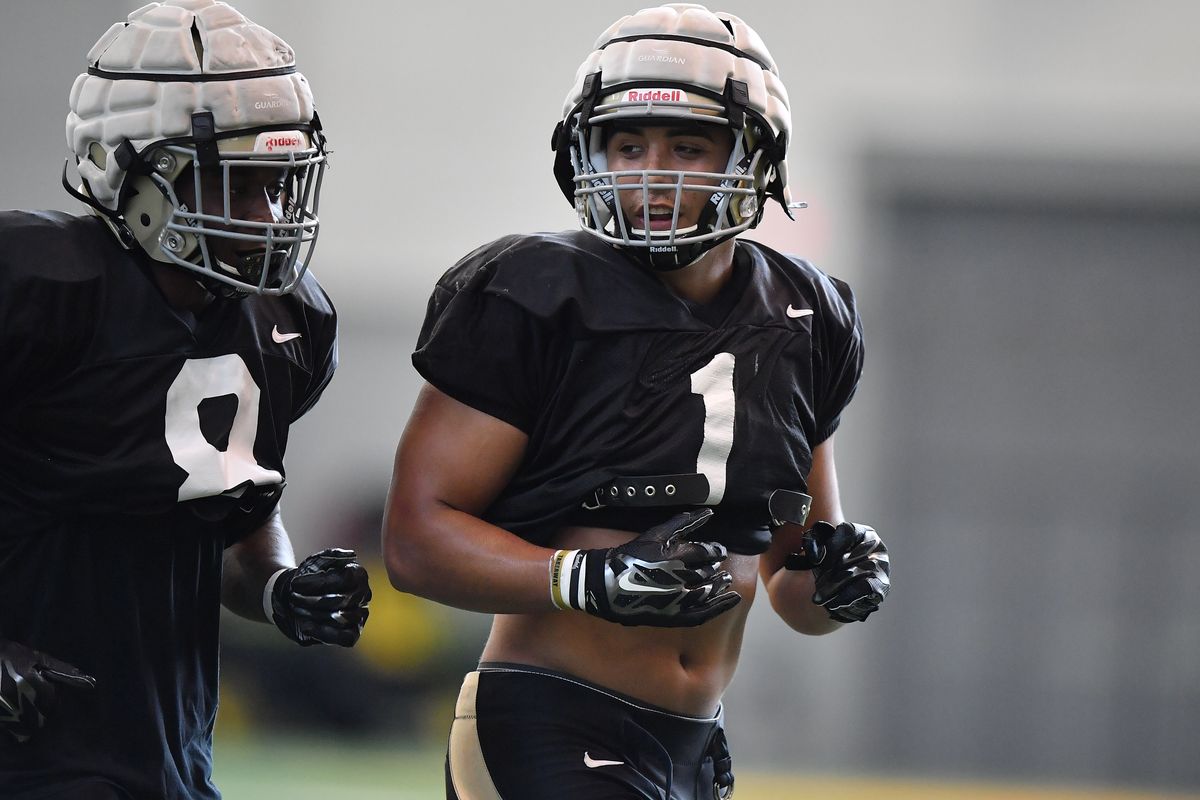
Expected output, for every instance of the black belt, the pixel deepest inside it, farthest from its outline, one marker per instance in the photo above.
(689, 489)
(786, 506)
(651, 490)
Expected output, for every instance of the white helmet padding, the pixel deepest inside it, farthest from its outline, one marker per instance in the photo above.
(193, 82)
(676, 62)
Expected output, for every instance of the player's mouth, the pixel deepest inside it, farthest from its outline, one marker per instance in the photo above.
(660, 218)
(248, 263)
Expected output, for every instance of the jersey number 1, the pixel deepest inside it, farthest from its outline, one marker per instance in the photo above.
(714, 383)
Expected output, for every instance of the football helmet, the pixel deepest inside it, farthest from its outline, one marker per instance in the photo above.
(676, 63)
(192, 90)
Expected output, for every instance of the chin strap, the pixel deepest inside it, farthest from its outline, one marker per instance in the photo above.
(115, 222)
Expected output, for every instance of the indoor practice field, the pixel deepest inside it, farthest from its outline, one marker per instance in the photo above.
(314, 769)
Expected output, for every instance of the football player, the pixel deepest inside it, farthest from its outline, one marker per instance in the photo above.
(156, 351)
(624, 428)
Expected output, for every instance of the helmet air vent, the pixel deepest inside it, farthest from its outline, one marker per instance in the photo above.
(97, 155)
(198, 44)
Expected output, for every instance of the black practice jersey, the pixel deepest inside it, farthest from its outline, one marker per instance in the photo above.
(136, 441)
(612, 376)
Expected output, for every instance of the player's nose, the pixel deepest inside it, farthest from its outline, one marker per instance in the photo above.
(658, 155)
(662, 187)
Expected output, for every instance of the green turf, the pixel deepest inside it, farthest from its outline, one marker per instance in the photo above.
(314, 769)
(279, 767)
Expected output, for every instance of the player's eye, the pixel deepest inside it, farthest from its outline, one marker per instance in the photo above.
(690, 150)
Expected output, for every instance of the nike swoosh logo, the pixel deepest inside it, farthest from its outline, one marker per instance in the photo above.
(280, 338)
(638, 588)
(796, 313)
(592, 763)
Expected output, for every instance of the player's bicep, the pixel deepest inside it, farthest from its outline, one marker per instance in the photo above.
(826, 505)
(452, 455)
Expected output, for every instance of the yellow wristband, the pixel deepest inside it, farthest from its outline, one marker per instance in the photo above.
(560, 584)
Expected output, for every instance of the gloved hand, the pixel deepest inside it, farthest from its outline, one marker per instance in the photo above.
(322, 601)
(850, 567)
(660, 578)
(29, 683)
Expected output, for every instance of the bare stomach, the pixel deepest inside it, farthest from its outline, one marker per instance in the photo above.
(685, 670)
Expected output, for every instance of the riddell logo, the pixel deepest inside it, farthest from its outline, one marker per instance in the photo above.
(646, 95)
(282, 142)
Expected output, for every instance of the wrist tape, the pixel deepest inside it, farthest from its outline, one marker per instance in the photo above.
(267, 590)
(566, 579)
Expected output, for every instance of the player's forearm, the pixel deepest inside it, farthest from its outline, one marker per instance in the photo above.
(457, 559)
(250, 563)
(790, 593)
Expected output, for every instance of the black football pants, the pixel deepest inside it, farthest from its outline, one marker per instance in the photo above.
(522, 733)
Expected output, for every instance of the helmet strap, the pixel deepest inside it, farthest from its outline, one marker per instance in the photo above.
(590, 94)
(204, 133)
(114, 221)
(737, 100)
(564, 136)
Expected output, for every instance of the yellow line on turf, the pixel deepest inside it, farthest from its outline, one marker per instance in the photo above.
(761, 786)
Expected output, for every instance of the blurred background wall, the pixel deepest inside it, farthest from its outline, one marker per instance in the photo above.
(1013, 188)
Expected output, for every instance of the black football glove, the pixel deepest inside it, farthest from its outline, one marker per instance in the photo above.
(324, 600)
(660, 578)
(850, 567)
(29, 683)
